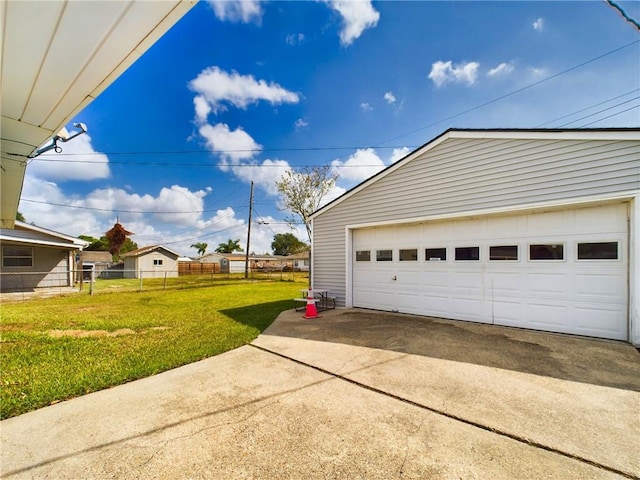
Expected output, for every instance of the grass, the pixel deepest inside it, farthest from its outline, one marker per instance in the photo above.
(58, 348)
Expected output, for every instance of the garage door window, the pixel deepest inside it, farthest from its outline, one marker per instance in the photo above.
(598, 251)
(503, 252)
(435, 254)
(363, 256)
(384, 255)
(546, 252)
(467, 253)
(409, 255)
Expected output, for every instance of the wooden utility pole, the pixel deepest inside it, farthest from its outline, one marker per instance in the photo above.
(246, 258)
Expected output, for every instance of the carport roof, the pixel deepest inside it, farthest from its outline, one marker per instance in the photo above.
(25, 233)
(57, 57)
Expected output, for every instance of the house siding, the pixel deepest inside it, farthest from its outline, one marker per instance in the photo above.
(473, 174)
(133, 266)
(51, 268)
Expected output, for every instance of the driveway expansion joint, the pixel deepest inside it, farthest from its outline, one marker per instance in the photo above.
(436, 411)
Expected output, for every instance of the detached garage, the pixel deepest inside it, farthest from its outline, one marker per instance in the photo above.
(536, 229)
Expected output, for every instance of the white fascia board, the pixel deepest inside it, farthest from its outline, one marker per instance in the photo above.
(46, 243)
(578, 134)
(77, 241)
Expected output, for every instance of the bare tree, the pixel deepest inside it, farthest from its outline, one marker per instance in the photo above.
(303, 191)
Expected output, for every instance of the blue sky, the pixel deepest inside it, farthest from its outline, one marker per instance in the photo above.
(241, 91)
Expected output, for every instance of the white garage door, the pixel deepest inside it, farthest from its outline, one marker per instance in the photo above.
(561, 271)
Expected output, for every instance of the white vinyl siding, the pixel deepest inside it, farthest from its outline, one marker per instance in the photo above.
(467, 175)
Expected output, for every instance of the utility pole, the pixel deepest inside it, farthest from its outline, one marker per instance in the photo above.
(246, 258)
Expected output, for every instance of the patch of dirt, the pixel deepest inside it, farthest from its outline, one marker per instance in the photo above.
(99, 333)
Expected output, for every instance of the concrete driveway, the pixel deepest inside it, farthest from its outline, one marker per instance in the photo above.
(355, 394)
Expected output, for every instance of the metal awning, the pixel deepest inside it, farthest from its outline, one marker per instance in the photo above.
(56, 57)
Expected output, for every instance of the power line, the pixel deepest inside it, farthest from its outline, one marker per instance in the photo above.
(609, 116)
(624, 14)
(513, 92)
(603, 110)
(119, 210)
(587, 108)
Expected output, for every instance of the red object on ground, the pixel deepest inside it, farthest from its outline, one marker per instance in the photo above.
(311, 311)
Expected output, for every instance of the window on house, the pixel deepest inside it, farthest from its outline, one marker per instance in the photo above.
(546, 252)
(384, 255)
(15, 256)
(435, 254)
(503, 252)
(157, 261)
(598, 251)
(467, 253)
(409, 255)
(363, 255)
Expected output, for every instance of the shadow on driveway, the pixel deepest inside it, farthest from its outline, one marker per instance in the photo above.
(567, 357)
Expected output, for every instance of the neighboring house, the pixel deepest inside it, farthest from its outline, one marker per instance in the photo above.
(235, 262)
(538, 229)
(35, 257)
(300, 262)
(96, 261)
(155, 261)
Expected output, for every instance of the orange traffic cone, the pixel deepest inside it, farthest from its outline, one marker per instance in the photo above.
(311, 311)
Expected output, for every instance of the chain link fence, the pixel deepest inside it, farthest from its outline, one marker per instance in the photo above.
(27, 285)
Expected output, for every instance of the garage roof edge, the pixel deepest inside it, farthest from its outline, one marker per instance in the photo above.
(507, 133)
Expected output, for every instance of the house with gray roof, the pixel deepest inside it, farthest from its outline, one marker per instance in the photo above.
(35, 257)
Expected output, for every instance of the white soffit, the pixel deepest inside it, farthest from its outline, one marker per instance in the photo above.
(56, 57)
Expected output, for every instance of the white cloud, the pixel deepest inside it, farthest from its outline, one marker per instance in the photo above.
(301, 124)
(537, 73)
(357, 16)
(78, 161)
(202, 108)
(445, 72)
(390, 97)
(216, 88)
(233, 144)
(359, 166)
(366, 106)
(538, 25)
(177, 231)
(244, 11)
(264, 174)
(399, 153)
(502, 69)
(294, 39)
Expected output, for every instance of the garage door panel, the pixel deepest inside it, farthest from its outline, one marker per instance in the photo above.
(468, 282)
(468, 308)
(600, 287)
(586, 296)
(436, 305)
(508, 284)
(548, 285)
(597, 321)
(548, 316)
(507, 312)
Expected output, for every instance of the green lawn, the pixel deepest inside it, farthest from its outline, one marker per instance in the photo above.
(58, 348)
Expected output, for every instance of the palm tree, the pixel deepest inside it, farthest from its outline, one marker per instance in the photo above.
(201, 247)
(229, 247)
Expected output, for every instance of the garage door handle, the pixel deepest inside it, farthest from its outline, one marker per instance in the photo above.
(394, 278)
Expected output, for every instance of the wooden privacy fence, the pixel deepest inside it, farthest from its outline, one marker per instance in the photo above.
(197, 268)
